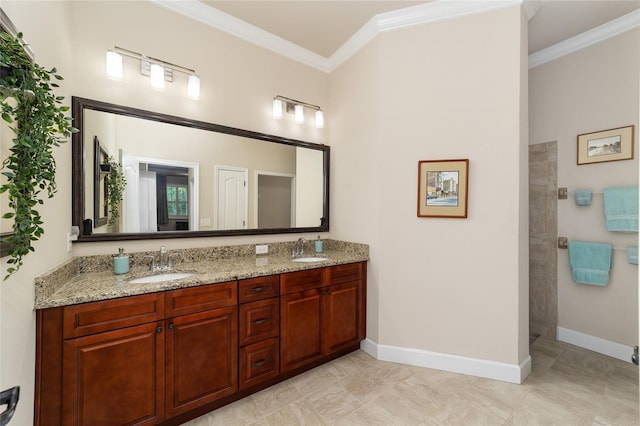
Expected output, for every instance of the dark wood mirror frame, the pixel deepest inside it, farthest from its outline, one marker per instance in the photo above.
(79, 173)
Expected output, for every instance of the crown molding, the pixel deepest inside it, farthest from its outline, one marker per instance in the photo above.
(426, 13)
(595, 35)
(436, 11)
(224, 22)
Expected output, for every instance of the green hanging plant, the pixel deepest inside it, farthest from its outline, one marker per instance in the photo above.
(116, 182)
(39, 121)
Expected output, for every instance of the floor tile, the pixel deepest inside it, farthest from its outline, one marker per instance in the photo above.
(568, 386)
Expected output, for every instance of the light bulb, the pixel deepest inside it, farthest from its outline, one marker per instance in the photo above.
(319, 119)
(114, 65)
(277, 109)
(299, 114)
(193, 89)
(157, 76)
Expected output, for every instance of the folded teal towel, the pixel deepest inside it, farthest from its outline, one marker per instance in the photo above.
(621, 209)
(583, 197)
(590, 262)
(632, 255)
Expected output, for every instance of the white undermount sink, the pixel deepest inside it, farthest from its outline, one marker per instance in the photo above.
(310, 259)
(162, 277)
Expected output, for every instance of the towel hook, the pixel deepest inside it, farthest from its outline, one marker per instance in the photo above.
(563, 243)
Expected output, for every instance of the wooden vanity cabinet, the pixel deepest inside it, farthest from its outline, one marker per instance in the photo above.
(201, 346)
(322, 312)
(113, 362)
(167, 357)
(141, 359)
(259, 325)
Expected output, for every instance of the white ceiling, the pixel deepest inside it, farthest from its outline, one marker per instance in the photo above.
(322, 26)
(319, 26)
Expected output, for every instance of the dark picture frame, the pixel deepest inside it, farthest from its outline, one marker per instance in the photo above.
(100, 189)
(606, 145)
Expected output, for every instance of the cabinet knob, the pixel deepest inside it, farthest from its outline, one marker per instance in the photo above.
(159, 329)
(171, 326)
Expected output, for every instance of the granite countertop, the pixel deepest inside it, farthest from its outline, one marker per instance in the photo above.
(89, 279)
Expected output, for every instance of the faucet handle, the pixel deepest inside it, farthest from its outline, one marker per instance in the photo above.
(170, 261)
(152, 266)
(163, 250)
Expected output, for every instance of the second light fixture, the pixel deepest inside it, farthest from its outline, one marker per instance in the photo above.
(282, 104)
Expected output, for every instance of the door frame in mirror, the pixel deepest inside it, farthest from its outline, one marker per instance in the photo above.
(79, 172)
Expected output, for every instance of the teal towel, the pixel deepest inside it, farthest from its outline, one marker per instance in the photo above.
(583, 197)
(632, 255)
(590, 262)
(621, 209)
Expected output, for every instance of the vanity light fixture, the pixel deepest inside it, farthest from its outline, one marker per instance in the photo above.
(156, 73)
(281, 104)
(299, 114)
(277, 108)
(319, 119)
(158, 70)
(114, 65)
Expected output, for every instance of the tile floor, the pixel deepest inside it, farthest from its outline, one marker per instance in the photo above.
(568, 386)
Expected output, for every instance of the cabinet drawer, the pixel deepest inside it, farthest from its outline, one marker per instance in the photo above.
(344, 273)
(105, 315)
(258, 288)
(259, 320)
(259, 362)
(199, 299)
(293, 282)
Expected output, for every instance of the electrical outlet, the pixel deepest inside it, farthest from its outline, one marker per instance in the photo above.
(262, 248)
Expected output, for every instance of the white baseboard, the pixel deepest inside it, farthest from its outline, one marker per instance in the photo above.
(511, 373)
(596, 344)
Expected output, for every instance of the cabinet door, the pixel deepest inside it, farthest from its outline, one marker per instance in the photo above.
(340, 316)
(202, 358)
(114, 378)
(300, 330)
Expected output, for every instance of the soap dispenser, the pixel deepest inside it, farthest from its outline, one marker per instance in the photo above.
(120, 263)
(318, 245)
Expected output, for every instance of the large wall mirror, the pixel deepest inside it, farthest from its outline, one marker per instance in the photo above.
(188, 178)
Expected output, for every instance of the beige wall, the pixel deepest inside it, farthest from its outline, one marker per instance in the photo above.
(167, 142)
(439, 91)
(239, 81)
(593, 89)
(46, 27)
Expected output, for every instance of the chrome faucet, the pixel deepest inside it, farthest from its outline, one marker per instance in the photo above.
(163, 253)
(165, 261)
(298, 247)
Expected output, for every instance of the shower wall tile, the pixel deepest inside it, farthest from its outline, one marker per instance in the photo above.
(543, 230)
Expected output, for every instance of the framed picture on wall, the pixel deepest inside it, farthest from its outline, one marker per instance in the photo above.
(443, 188)
(606, 145)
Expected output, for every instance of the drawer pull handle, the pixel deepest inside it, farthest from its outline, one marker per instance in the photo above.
(259, 289)
(260, 363)
(260, 321)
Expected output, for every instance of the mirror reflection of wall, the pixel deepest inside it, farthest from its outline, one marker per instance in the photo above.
(178, 165)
